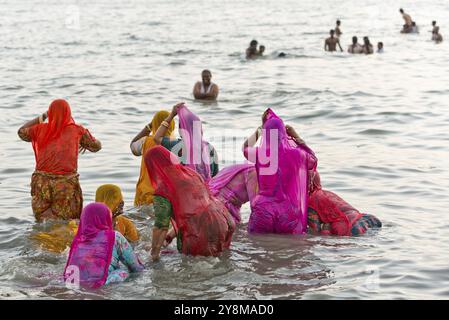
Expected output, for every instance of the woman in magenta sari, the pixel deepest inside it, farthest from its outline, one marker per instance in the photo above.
(192, 149)
(282, 167)
(98, 251)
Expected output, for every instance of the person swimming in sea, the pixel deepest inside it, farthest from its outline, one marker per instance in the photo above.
(331, 43)
(408, 21)
(367, 46)
(436, 36)
(355, 47)
(338, 32)
(205, 89)
(380, 47)
(261, 50)
(251, 51)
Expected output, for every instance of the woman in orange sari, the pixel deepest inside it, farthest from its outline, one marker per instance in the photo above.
(143, 142)
(55, 188)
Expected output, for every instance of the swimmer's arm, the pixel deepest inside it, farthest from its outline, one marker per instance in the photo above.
(23, 133)
(143, 133)
(338, 42)
(214, 91)
(212, 95)
(197, 91)
(325, 45)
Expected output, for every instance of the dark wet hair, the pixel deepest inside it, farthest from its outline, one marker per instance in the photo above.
(401, 10)
(332, 31)
(354, 39)
(253, 43)
(261, 46)
(206, 70)
(338, 21)
(380, 43)
(434, 22)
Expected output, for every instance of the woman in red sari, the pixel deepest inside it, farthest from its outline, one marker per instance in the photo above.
(55, 188)
(203, 225)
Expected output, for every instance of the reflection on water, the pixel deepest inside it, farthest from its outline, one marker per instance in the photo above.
(378, 125)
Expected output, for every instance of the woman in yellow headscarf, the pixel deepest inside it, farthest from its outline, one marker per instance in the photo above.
(59, 235)
(111, 195)
(141, 144)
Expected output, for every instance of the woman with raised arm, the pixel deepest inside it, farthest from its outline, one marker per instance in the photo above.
(193, 151)
(55, 188)
(282, 167)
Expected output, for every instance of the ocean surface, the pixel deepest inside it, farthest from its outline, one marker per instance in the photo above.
(378, 124)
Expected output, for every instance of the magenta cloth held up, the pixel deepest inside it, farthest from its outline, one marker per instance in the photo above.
(196, 148)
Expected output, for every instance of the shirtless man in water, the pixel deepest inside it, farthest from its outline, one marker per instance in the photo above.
(407, 19)
(331, 43)
(408, 26)
(436, 36)
(205, 89)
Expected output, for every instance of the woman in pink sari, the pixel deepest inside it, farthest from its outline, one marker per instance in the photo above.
(280, 205)
(97, 251)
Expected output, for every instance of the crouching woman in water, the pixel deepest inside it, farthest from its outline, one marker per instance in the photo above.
(55, 189)
(98, 250)
(203, 225)
(328, 214)
(111, 195)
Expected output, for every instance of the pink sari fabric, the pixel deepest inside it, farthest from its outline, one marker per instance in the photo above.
(282, 173)
(197, 149)
(91, 250)
(234, 186)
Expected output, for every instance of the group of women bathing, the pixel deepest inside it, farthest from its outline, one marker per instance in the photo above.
(193, 201)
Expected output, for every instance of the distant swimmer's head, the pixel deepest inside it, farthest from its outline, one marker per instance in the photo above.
(332, 32)
(380, 45)
(281, 55)
(253, 44)
(434, 23)
(401, 10)
(261, 49)
(338, 22)
(354, 40)
(366, 40)
(206, 75)
(413, 24)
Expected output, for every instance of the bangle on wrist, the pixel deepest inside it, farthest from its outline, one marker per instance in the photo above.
(41, 119)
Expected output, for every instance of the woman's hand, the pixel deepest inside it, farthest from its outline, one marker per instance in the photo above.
(293, 134)
(264, 116)
(175, 108)
(81, 150)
